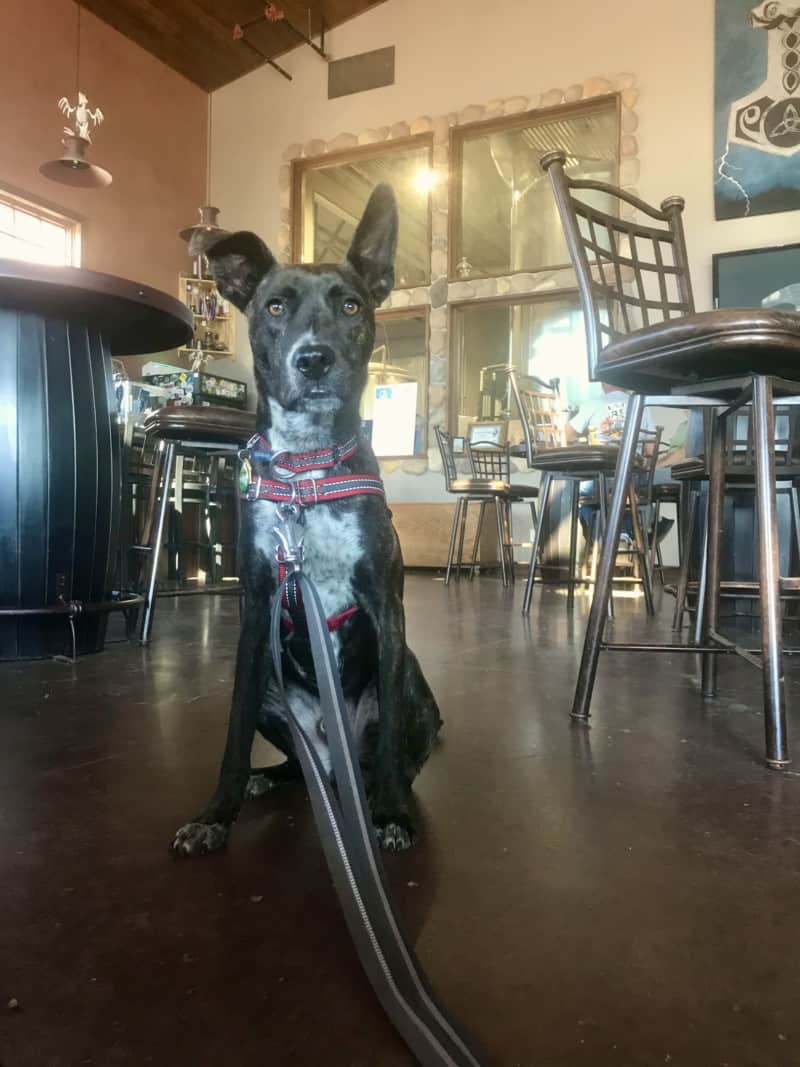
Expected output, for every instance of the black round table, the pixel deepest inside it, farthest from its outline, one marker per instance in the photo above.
(60, 446)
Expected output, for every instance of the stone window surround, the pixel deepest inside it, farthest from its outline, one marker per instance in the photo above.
(441, 292)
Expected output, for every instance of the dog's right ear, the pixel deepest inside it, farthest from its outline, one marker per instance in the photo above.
(238, 261)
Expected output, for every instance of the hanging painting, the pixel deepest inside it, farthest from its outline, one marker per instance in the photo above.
(757, 108)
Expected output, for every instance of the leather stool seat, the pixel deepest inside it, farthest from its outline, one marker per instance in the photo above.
(212, 424)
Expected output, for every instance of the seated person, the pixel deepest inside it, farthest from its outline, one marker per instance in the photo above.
(602, 421)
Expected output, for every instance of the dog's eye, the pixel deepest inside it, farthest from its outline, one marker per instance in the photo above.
(276, 308)
(351, 307)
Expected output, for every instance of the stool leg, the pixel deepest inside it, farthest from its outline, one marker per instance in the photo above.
(453, 536)
(544, 499)
(603, 479)
(702, 583)
(477, 541)
(507, 510)
(686, 532)
(573, 542)
(597, 613)
(155, 543)
(641, 549)
(655, 555)
(501, 538)
(768, 573)
(461, 530)
(716, 497)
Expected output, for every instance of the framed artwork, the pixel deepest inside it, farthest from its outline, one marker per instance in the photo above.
(756, 108)
(488, 433)
(758, 277)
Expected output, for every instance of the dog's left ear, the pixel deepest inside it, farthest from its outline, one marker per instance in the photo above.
(375, 243)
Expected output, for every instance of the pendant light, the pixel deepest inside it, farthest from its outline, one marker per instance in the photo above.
(73, 168)
(208, 214)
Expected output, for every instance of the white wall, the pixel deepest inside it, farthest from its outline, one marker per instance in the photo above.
(453, 53)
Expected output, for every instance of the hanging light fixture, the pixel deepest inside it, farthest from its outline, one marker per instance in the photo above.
(73, 168)
(208, 214)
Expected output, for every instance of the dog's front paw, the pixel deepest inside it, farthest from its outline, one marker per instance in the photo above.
(196, 838)
(394, 836)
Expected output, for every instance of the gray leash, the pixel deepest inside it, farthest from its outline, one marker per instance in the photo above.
(347, 837)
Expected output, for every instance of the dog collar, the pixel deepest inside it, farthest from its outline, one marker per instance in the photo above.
(259, 450)
(309, 491)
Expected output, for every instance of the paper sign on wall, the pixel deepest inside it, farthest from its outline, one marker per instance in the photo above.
(394, 415)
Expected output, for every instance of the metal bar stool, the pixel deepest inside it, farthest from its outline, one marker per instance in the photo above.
(546, 452)
(492, 463)
(182, 430)
(643, 335)
(470, 490)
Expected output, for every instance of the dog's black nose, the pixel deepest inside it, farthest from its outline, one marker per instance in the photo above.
(315, 361)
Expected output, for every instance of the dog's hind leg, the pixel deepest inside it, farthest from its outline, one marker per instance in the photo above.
(264, 780)
(422, 718)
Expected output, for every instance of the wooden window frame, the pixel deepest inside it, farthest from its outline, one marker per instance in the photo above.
(74, 224)
(456, 334)
(535, 117)
(300, 167)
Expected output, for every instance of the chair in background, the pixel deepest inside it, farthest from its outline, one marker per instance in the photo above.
(470, 490)
(643, 335)
(492, 463)
(740, 474)
(542, 426)
(217, 434)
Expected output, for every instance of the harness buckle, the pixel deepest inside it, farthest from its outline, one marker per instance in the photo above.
(254, 489)
(282, 474)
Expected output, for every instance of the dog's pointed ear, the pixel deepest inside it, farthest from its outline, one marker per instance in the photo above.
(237, 261)
(375, 243)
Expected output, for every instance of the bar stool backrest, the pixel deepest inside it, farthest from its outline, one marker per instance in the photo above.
(631, 273)
(489, 462)
(445, 443)
(740, 448)
(649, 448)
(539, 408)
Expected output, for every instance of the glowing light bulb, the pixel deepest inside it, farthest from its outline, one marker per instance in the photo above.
(424, 180)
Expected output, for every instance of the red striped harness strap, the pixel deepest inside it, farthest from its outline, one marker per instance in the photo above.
(303, 493)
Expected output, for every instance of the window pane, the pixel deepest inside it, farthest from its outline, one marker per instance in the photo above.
(508, 216)
(398, 360)
(334, 197)
(36, 237)
(542, 339)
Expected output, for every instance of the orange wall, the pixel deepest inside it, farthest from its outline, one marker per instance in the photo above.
(153, 140)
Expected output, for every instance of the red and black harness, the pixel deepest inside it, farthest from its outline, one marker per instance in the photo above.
(284, 485)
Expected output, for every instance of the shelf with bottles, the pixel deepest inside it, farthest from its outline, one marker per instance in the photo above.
(214, 321)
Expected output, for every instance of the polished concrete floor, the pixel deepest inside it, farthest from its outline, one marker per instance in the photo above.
(624, 895)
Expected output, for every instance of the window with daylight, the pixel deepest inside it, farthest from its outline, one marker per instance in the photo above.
(505, 216)
(36, 234)
(395, 402)
(540, 336)
(330, 194)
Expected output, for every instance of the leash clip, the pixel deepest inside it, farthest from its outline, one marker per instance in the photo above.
(289, 549)
(254, 489)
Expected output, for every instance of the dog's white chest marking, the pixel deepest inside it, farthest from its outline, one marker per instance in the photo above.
(332, 547)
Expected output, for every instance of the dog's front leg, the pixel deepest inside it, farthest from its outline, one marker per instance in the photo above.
(390, 784)
(254, 668)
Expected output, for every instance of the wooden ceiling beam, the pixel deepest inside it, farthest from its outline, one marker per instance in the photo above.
(195, 37)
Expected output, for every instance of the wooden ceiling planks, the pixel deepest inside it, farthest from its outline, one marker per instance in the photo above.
(195, 37)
